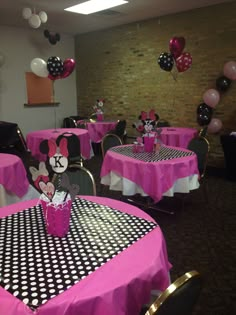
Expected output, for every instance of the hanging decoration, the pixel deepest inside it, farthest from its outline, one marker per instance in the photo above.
(34, 19)
(176, 57)
(211, 98)
(53, 38)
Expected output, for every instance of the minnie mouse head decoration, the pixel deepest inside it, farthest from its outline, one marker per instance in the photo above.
(147, 121)
(39, 175)
(41, 180)
(52, 37)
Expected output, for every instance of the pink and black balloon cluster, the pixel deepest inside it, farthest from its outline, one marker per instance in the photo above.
(211, 98)
(55, 68)
(176, 56)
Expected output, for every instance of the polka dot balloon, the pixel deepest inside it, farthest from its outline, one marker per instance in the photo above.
(55, 66)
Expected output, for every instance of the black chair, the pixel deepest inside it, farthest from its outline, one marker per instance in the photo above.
(120, 130)
(179, 298)
(69, 122)
(200, 145)
(109, 141)
(78, 175)
(229, 148)
(162, 123)
(12, 141)
(73, 147)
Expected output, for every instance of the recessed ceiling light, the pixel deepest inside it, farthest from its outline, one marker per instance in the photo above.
(92, 6)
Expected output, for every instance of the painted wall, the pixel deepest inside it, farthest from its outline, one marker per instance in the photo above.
(20, 47)
(120, 65)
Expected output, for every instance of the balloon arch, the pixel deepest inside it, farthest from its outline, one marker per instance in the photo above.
(211, 98)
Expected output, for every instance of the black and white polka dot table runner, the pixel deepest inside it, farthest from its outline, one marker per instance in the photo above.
(165, 153)
(35, 266)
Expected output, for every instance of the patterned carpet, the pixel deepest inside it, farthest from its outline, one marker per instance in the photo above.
(201, 235)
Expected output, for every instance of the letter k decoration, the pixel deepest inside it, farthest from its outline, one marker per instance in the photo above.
(58, 159)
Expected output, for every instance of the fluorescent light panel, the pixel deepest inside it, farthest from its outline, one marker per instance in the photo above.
(92, 6)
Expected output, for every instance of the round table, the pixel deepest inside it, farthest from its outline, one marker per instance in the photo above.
(177, 136)
(120, 286)
(13, 175)
(98, 129)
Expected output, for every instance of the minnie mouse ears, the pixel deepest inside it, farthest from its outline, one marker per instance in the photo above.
(53, 38)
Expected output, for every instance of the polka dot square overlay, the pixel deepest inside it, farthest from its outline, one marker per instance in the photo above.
(35, 266)
(165, 153)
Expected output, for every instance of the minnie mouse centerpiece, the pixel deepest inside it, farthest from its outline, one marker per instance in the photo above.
(147, 126)
(56, 204)
(147, 121)
(98, 107)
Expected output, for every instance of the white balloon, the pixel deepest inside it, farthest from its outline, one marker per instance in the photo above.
(39, 67)
(43, 16)
(34, 21)
(26, 13)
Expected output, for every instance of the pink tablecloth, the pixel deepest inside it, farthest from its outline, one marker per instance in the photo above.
(177, 137)
(13, 175)
(34, 139)
(154, 177)
(99, 128)
(119, 287)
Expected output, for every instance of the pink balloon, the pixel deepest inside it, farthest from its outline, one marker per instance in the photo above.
(176, 46)
(68, 67)
(184, 62)
(214, 126)
(230, 70)
(211, 97)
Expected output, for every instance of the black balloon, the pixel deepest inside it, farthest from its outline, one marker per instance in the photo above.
(204, 109)
(52, 40)
(46, 33)
(223, 83)
(203, 119)
(166, 61)
(55, 66)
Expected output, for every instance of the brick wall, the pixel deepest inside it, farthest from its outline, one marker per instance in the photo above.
(120, 65)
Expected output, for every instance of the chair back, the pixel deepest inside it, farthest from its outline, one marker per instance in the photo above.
(180, 297)
(162, 123)
(73, 145)
(200, 145)
(109, 141)
(69, 122)
(81, 176)
(82, 124)
(93, 117)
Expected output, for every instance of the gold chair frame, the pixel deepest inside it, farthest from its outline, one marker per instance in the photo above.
(109, 136)
(156, 305)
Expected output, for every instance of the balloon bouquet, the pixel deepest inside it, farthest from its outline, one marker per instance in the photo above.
(53, 69)
(211, 98)
(176, 56)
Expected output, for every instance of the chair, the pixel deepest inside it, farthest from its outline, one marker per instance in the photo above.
(120, 129)
(228, 143)
(82, 124)
(93, 117)
(81, 176)
(162, 123)
(200, 145)
(179, 298)
(73, 147)
(69, 122)
(109, 141)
